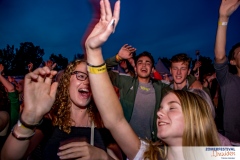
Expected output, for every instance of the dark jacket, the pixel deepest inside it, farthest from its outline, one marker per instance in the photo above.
(128, 87)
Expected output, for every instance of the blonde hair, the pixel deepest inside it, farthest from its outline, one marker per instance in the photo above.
(206, 97)
(200, 128)
(61, 108)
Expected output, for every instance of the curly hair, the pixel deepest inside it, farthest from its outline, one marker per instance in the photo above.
(61, 112)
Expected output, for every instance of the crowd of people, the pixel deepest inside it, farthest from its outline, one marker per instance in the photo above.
(121, 107)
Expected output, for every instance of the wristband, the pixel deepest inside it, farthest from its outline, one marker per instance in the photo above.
(29, 126)
(96, 66)
(97, 69)
(118, 58)
(19, 137)
(222, 23)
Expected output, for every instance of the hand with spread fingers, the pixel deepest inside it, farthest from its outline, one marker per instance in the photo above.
(81, 150)
(126, 51)
(39, 94)
(106, 25)
(228, 7)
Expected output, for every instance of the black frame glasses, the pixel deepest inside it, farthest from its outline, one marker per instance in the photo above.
(81, 76)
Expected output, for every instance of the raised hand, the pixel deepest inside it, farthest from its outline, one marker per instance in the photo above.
(81, 150)
(126, 51)
(30, 67)
(39, 94)
(228, 7)
(106, 25)
(197, 65)
(50, 64)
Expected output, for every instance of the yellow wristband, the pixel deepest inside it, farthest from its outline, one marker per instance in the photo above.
(222, 23)
(118, 58)
(97, 70)
(21, 125)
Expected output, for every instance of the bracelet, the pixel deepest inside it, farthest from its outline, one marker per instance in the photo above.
(222, 23)
(29, 126)
(19, 137)
(97, 65)
(118, 58)
(97, 69)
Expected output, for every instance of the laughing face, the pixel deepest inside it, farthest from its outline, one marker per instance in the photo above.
(179, 71)
(170, 121)
(79, 89)
(143, 67)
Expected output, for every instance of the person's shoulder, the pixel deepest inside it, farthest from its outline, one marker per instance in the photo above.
(159, 83)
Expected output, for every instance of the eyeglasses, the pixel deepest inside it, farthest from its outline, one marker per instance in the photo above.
(81, 76)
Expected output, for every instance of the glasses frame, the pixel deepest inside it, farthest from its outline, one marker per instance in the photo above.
(77, 72)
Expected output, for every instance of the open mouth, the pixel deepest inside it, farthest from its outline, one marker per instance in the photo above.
(161, 123)
(84, 92)
(144, 70)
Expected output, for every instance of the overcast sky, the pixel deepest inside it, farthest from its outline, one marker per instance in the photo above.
(163, 28)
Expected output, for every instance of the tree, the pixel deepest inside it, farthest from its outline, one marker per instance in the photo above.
(6, 58)
(61, 61)
(78, 56)
(24, 55)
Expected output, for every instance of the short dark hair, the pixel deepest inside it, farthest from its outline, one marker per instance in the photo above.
(231, 52)
(144, 54)
(181, 57)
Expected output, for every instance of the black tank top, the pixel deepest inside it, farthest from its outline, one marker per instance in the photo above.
(77, 134)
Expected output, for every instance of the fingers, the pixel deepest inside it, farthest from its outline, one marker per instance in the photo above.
(49, 77)
(43, 73)
(106, 13)
(30, 76)
(72, 150)
(53, 90)
(71, 153)
(116, 13)
(132, 49)
(125, 45)
(108, 10)
(73, 144)
(102, 11)
(129, 48)
(54, 65)
(40, 75)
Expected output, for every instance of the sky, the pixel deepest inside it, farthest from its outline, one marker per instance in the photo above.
(161, 27)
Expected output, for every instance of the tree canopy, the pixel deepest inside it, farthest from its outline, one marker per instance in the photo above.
(16, 60)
